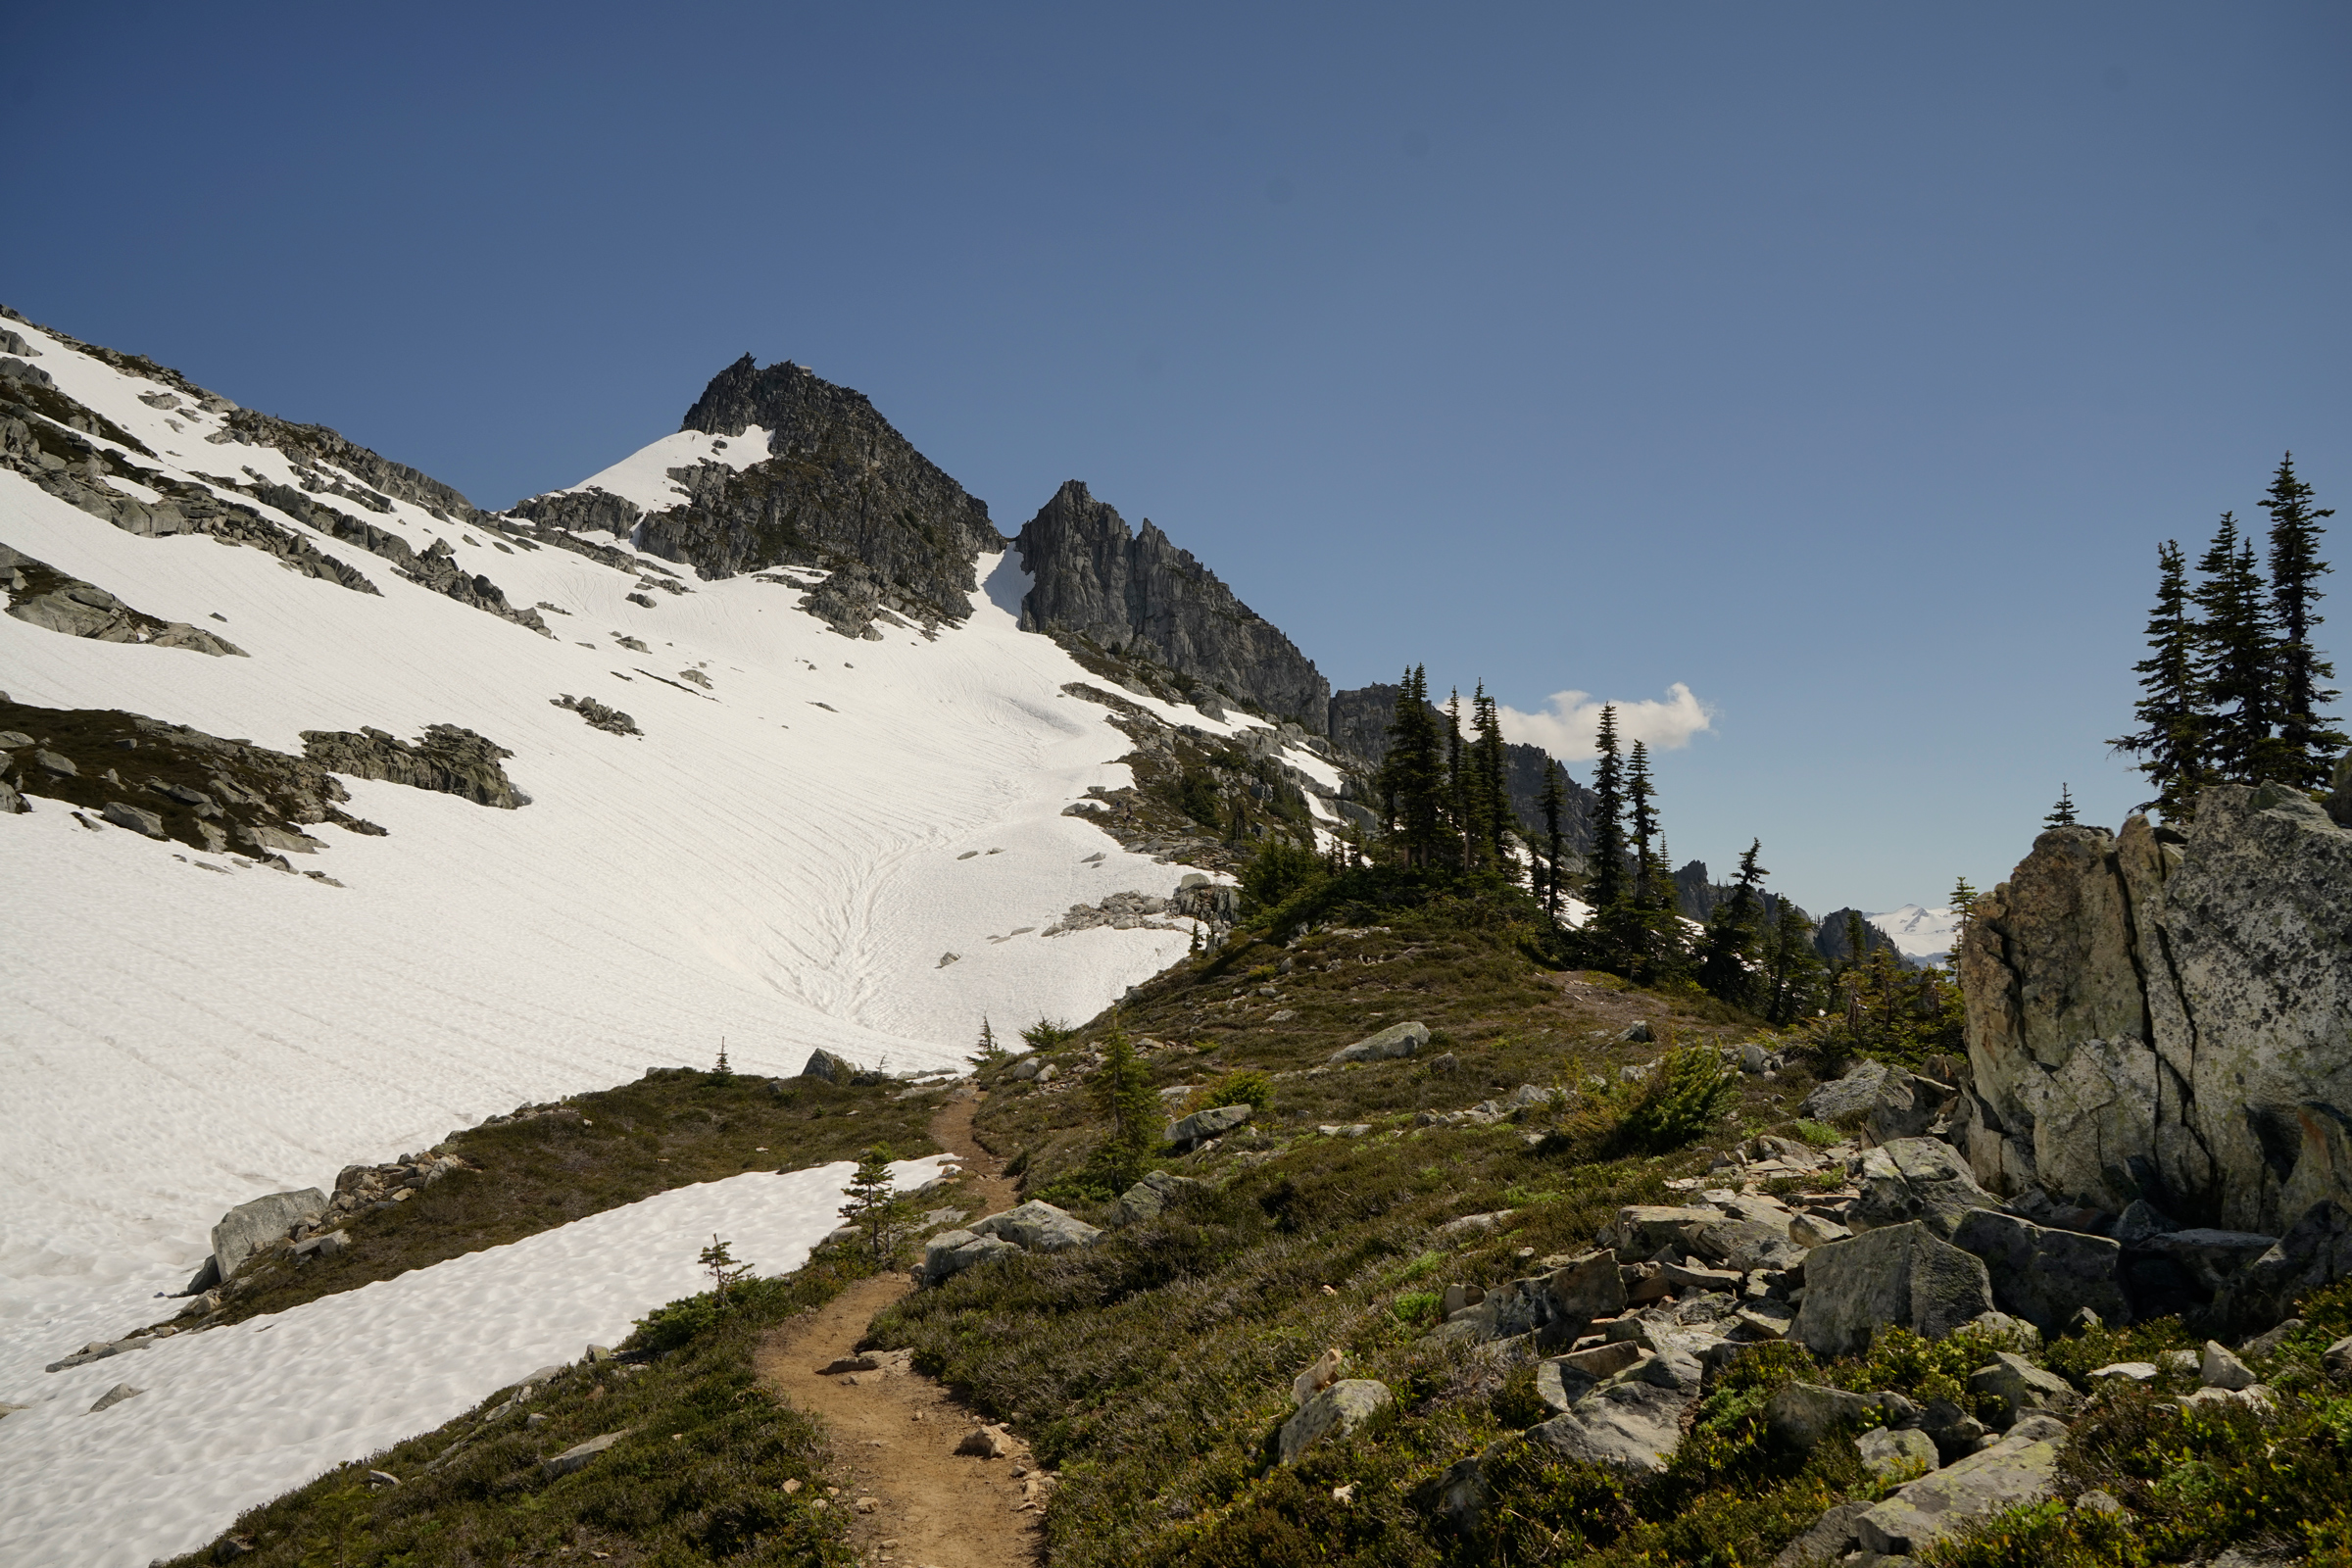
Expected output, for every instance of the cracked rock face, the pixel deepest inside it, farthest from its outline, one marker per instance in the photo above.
(2169, 1023)
(1127, 591)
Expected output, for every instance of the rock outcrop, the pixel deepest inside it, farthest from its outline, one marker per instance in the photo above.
(448, 759)
(839, 489)
(1138, 594)
(2169, 1018)
(42, 596)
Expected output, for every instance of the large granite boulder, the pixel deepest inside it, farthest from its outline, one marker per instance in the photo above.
(1149, 1198)
(2316, 1251)
(1397, 1040)
(2019, 1469)
(2045, 1276)
(1630, 1422)
(1921, 1179)
(251, 1226)
(1202, 1125)
(951, 1252)
(1039, 1228)
(2156, 1018)
(1899, 1274)
(1850, 1097)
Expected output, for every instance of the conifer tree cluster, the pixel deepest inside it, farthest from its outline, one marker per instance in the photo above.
(1444, 797)
(2233, 688)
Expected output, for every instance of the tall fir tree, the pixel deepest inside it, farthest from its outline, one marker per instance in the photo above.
(1551, 804)
(2238, 657)
(1608, 889)
(1413, 774)
(1728, 954)
(1491, 781)
(2308, 742)
(1129, 1107)
(2176, 719)
(1457, 782)
(1792, 968)
(1644, 923)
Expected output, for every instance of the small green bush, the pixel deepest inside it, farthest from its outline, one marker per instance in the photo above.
(1243, 1086)
(1820, 1134)
(1046, 1033)
(1680, 1101)
(1415, 1307)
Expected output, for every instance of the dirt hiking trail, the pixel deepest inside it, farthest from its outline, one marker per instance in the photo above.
(914, 1501)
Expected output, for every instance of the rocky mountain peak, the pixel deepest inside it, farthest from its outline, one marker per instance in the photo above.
(782, 396)
(1134, 591)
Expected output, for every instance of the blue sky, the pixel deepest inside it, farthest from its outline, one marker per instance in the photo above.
(1844, 364)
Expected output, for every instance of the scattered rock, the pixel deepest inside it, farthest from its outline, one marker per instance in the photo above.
(1202, 1125)
(1336, 1412)
(253, 1225)
(1632, 1424)
(577, 1457)
(841, 1071)
(115, 1396)
(2124, 1371)
(1847, 1099)
(2316, 1251)
(447, 760)
(1039, 1227)
(120, 814)
(1922, 1179)
(2045, 1276)
(951, 1252)
(1829, 1539)
(1893, 1455)
(2021, 1388)
(1896, 1274)
(990, 1441)
(1804, 1415)
(2014, 1472)
(1395, 1040)
(610, 719)
(2218, 1368)
(1148, 1199)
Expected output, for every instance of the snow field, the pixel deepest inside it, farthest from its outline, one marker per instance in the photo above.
(236, 1416)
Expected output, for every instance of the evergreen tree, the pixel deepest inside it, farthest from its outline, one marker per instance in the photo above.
(1551, 804)
(719, 1258)
(1728, 950)
(1129, 1110)
(1608, 817)
(1457, 782)
(874, 1204)
(1646, 925)
(2063, 814)
(2174, 715)
(989, 1050)
(2237, 658)
(2307, 742)
(1493, 805)
(1412, 775)
(1792, 968)
(1964, 909)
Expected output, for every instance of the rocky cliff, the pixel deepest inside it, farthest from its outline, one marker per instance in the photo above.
(1093, 577)
(2166, 1016)
(841, 489)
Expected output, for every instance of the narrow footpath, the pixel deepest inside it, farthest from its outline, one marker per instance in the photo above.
(917, 1503)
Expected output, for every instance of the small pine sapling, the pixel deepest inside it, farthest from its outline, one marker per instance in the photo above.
(875, 1206)
(1124, 1098)
(2063, 814)
(989, 1052)
(725, 1270)
(722, 1071)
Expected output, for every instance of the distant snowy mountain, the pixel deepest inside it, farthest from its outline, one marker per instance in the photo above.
(1917, 932)
(725, 817)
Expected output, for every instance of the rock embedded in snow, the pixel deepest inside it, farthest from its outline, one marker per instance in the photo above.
(122, 814)
(259, 1222)
(448, 759)
(115, 1396)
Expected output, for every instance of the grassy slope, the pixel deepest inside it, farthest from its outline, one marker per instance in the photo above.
(671, 1128)
(1152, 1370)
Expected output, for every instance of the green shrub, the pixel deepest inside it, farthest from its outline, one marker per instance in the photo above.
(1046, 1033)
(1820, 1134)
(1243, 1086)
(1680, 1101)
(1279, 869)
(1415, 1307)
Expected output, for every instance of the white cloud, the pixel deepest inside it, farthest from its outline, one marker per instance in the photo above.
(1571, 720)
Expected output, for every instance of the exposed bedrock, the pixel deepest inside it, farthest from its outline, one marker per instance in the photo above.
(1093, 577)
(840, 487)
(2169, 1018)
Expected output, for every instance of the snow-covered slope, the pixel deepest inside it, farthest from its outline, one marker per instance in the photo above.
(227, 1420)
(833, 846)
(1917, 932)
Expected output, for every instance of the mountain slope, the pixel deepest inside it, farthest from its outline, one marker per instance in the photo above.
(809, 842)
